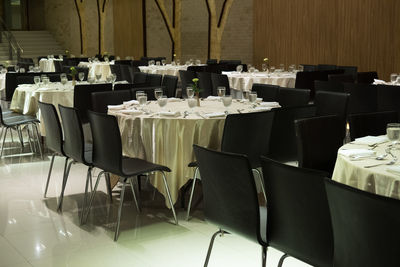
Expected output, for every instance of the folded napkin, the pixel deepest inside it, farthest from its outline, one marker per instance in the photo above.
(377, 81)
(211, 97)
(259, 99)
(170, 113)
(131, 112)
(214, 115)
(131, 102)
(393, 169)
(116, 107)
(270, 104)
(370, 140)
(174, 99)
(357, 152)
(262, 108)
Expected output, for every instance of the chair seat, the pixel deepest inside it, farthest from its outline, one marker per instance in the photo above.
(135, 166)
(19, 119)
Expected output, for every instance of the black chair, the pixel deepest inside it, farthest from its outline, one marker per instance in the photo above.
(140, 78)
(318, 140)
(308, 67)
(367, 77)
(326, 67)
(186, 80)
(342, 78)
(126, 73)
(83, 97)
(298, 221)
(54, 136)
(123, 86)
(127, 62)
(220, 80)
(364, 124)
(330, 103)
(363, 97)
(213, 68)
(387, 97)
(252, 142)
(230, 61)
(349, 70)
(116, 69)
(365, 227)
(205, 84)
(137, 63)
(197, 68)
(107, 155)
(169, 82)
(153, 79)
(330, 86)
(211, 61)
(54, 78)
(58, 65)
(25, 80)
(230, 197)
(305, 80)
(267, 92)
(283, 142)
(291, 97)
(100, 100)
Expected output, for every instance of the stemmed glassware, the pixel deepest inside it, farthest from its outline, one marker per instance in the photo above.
(16, 68)
(189, 92)
(246, 95)
(36, 80)
(221, 90)
(109, 78)
(158, 93)
(163, 62)
(239, 68)
(264, 67)
(81, 76)
(142, 98)
(192, 103)
(393, 132)
(98, 77)
(253, 97)
(227, 101)
(162, 101)
(393, 78)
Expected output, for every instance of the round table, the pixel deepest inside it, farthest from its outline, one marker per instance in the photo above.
(378, 180)
(102, 68)
(244, 81)
(169, 140)
(163, 70)
(47, 65)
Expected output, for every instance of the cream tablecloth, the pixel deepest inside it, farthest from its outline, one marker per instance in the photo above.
(47, 65)
(375, 180)
(244, 81)
(163, 70)
(97, 67)
(168, 140)
(2, 85)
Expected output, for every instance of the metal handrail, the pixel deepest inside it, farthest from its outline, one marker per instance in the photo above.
(11, 40)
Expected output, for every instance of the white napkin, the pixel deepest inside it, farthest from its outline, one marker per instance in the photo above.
(357, 152)
(211, 97)
(174, 99)
(121, 82)
(393, 169)
(377, 81)
(370, 140)
(116, 107)
(259, 99)
(131, 102)
(262, 108)
(270, 104)
(214, 115)
(169, 113)
(131, 112)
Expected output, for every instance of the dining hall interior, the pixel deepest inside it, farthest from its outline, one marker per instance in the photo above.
(190, 133)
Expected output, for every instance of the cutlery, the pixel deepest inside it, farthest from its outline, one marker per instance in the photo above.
(393, 161)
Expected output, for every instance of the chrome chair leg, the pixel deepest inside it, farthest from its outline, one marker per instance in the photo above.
(64, 184)
(108, 185)
(92, 197)
(264, 256)
(191, 193)
(120, 211)
(262, 183)
(21, 140)
(284, 256)
(38, 140)
(169, 197)
(134, 195)
(88, 177)
(4, 141)
(48, 176)
(219, 232)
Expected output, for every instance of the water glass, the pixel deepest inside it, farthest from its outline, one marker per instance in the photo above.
(36, 80)
(22, 70)
(46, 80)
(90, 80)
(16, 68)
(393, 78)
(163, 62)
(158, 63)
(252, 97)
(178, 62)
(301, 68)
(162, 101)
(151, 62)
(191, 102)
(98, 77)
(189, 92)
(282, 67)
(221, 90)
(272, 69)
(139, 93)
(239, 68)
(264, 67)
(63, 75)
(31, 68)
(109, 78)
(227, 101)
(64, 80)
(158, 93)
(198, 62)
(393, 132)
(142, 100)
(173, 63)
(81, 76)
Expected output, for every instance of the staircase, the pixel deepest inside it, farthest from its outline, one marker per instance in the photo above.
(34, 44)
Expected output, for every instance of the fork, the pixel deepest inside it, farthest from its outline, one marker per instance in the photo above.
(393, 161)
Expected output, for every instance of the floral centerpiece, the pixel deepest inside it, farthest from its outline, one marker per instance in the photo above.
(73, 73)
(196, 90)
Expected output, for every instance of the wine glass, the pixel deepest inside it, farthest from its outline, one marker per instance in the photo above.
(46, 80)
(163, 62)
(142, 98)
(272, 69)
(189, 92)
(282, 67)
(191, 103)
(252, 69)
(98, 77)
(22, 70)
(393, 78)
(246, 95)
(393, 132)
(139, 93)
(64, 80)
(158, 93)
(264, 67)
(198, 62)
(221, 91)
(301, 68)
(158, 63)
(178, 62)
(36, 80)
(162, 101)
(227, 101)
(81, 76)
(31, 68)
(16, 68)
(239, 68)
(109, 78)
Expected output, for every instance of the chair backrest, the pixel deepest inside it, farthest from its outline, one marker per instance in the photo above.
(25, 80)
(83, 97)
(267, 92)
(220, 80)
(326, 67)
(318, 140)
(229, 192)
(100, 100)
(154, 79)
(205, 84)
(230, 61)
(197, 68)
(367, 77)
(212, 61)
(364, 124)
(213, 68)
(349, 70)
(363, 97)
(388, 97)
(126, 73)
(248, 134)
(54, 78)
(283, 142)
(293, 97)
(74, 141)
(298, 221)
(54, 135)
(170, 82)
(305, 80)
(186, 80)
(123, 86)
(308, 67)
(330, 86)
(365, 227)
(343, 78)
(331, 103)
(58, 65)
(123, 62)
(107, 148)
(137, 63)
(139, 78)
(116, 69)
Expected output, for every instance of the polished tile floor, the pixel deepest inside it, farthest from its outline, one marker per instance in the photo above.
(32, 233)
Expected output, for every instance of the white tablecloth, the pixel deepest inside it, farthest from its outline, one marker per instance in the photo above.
(102, 68)
(244, 81)
(163, 70)
(168, 140)
(47, 65)
(375, 180)
(2, 85)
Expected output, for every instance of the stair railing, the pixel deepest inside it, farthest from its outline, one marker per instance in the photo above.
(13, 46)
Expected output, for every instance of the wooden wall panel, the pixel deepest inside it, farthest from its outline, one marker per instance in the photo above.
(365, 33)
(128, 28)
